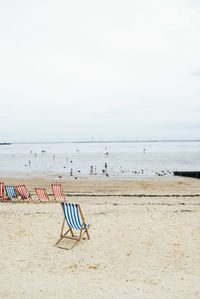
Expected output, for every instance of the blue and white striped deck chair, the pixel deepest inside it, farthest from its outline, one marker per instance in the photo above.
(75, 221)
(10, 191)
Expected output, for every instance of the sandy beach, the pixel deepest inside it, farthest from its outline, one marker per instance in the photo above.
(141, 246)
(101, 97)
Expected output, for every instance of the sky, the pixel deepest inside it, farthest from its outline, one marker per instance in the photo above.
(109, 69)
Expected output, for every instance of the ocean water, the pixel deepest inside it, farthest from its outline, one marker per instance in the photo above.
(122, 158)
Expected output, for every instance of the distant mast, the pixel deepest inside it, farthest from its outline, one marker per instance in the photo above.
(92, 139)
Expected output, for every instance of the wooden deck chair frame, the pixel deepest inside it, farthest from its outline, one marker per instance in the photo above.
(84, 230)
(45, 192)
(62, 192)
(17, 192)
(2, 196)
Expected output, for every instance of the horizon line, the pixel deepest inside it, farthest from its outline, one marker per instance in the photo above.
(104, 141)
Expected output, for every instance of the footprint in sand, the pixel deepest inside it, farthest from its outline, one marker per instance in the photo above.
(93, 267)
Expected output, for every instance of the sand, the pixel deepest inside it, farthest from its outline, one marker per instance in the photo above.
(166, 185)
(140, 247)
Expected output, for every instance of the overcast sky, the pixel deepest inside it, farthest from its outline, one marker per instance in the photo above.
(70, 70)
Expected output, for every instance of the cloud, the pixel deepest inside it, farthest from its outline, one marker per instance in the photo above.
(196, 73)
(103, 67)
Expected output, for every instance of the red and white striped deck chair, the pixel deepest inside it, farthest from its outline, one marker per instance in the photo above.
(23, 192)
(42, 194)
(57, 192)
(1, 190)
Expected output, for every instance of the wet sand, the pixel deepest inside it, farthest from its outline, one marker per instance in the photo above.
(93, 185)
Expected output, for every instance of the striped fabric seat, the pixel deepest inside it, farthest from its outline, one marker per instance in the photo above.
(57, 191)
(71, 212)
(41, 194)
(23, 192)
(10, 190)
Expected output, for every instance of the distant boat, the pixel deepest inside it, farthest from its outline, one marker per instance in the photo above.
(5, 143)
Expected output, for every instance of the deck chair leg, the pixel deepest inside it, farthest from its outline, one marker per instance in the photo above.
(61, 233)
(86, 231)
(84, 225)
(61, 237)
(74, 244)
(63, 224)
(81, 234)
(71, 232)
(78, 240)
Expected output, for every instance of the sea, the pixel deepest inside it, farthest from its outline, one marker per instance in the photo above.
(113, 159)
